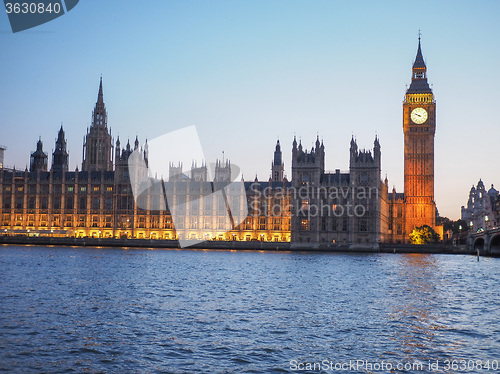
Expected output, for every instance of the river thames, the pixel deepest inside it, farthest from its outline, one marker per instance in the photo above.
(96, 310)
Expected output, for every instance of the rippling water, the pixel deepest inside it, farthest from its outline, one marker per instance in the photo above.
(181, 311)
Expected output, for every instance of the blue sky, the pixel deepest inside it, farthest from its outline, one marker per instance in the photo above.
(248, 72)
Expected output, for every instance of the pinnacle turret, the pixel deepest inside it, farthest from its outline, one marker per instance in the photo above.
(419, 59)
(419, 82)
(100, 97)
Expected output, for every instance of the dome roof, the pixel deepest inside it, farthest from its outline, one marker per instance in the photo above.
(492, 191)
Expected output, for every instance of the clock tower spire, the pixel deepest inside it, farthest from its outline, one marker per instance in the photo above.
(419, 128)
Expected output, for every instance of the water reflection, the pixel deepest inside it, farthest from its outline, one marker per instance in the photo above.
(103, 310)
(415, 306)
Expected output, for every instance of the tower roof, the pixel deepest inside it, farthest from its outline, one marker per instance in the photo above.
(100, 98)
(419, 60)
(39, 149)
(419, 82)
(60, 134)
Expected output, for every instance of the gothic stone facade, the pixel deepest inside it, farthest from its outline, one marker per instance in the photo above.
(353, 208)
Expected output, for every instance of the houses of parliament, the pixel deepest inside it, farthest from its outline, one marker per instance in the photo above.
(314, 207)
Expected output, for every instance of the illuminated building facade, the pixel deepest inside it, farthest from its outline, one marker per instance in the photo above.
(416, 206)
(315, 206)
(98, 200)
(340, 208)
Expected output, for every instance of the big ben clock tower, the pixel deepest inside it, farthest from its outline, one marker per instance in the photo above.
(419, 127)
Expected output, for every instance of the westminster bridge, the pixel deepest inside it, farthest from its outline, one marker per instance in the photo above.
(485, 241)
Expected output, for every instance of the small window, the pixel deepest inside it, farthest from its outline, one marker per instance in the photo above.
(304, 225)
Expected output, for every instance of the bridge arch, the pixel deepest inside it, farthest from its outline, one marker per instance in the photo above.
(479, 244)
(495, 244)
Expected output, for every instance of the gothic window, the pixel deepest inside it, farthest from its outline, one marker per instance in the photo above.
(82, 204)
(262, 224)
(142, 222)
(345, 224)
(399, 211)
(364, 179)
(221, 222)
(304, 225)
(248, 224)
(69, 203)
(363, 225)
(109, 203)
(193, 222)
(305, 178)
(276, 224)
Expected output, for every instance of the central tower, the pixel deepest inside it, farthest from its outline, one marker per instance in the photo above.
(419, 127)
(97, 145)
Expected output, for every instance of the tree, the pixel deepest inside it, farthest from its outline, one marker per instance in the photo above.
(424, 235)
(456, 227)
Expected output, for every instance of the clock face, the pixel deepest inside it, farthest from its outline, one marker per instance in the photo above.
(419, 115)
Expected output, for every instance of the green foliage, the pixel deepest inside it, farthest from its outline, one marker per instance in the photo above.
(454, 226)
(424, 235)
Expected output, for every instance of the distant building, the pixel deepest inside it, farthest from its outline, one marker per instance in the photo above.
(483, 208)
(2, 150)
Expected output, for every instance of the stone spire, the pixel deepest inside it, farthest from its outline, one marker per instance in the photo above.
(100, 97)
(419, 60)
(419, 82)
(60, 155)
(38, 158)
(98, 147)
(277, 166)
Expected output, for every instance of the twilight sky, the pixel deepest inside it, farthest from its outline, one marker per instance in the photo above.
(246, 73)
